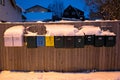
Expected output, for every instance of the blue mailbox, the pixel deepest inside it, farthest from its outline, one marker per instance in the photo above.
(40, 41)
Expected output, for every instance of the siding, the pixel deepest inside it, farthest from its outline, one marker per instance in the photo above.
(9, 13)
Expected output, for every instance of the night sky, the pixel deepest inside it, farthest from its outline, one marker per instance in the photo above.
(80, 4)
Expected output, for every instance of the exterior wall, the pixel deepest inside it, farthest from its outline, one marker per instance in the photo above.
(9, 13)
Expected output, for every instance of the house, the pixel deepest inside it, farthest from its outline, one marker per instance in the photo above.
(37, 8)
(72, 12)
(9, 11)
(37, 13)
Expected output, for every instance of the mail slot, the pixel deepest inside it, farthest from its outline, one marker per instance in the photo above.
(49, 40)
(79, 41)
(59, 41)
(31, 41)
(99, 41)
(69, 41)
(110, 41)
(89, 39)
(40, 40)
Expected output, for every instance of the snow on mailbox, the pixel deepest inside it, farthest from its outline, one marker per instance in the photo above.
(13, 36)
(56, 34)
(8, 38)
(89, 32)
(110, 38)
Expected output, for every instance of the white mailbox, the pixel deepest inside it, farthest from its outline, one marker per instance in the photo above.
(13, 36)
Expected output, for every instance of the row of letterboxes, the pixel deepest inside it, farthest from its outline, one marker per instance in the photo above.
(70, 41)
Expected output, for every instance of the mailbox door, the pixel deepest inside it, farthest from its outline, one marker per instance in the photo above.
(8, 41)
(59, 41)
(79, 41)
(89, 39)
(18, 41)
(69, 41)
(110, 41)
(31, 41)
(40, 41)
(99, 41)
(49, 40)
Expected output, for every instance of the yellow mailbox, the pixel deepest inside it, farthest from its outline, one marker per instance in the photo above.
(49, 40)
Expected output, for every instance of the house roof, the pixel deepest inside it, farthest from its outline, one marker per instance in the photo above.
(37, 8)
(68, 13)
(75, 8)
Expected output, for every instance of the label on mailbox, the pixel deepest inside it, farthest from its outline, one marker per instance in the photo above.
(49, 40)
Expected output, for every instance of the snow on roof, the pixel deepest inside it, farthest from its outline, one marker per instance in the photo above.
(15, 30)
(60, 30)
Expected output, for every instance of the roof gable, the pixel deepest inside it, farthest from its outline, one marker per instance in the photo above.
(72, 12)
(71, 7)
(37, 8)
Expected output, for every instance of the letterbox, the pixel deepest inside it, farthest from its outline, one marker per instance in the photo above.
(79, 41)
(49, 40)
(59, 41)
(69, 41)
(31, 41)
(89, 39)
(8, 41)
(40, 40)
(99, 41)
(110, 41)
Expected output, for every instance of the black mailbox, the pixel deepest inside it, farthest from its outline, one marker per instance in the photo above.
(110, 41)
(89, 39)
(79, 41)
(69, 41)
(59, 41)
(99, 41)
(31, 41)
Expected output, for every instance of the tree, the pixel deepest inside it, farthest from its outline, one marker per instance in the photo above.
(104, 9)
(57, 7)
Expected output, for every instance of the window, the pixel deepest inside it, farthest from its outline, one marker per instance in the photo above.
(2, 2)
(73, 13)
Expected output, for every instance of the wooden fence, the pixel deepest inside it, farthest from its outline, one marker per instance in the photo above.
(61, 59)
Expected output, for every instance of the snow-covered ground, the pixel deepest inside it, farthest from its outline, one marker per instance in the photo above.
(7, 75)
